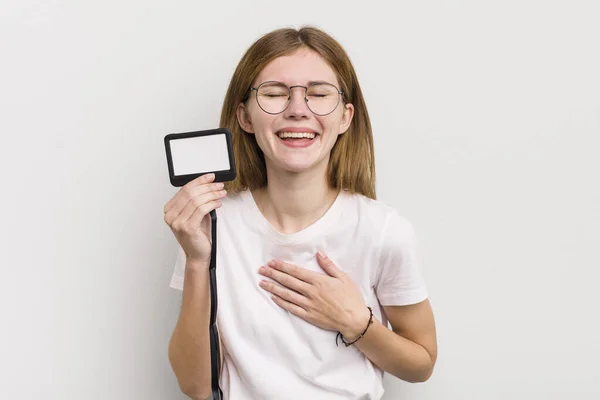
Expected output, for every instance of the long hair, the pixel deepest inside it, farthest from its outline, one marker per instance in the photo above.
(352, 161)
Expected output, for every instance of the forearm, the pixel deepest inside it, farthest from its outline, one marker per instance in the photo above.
(393, 353)
(189, 348)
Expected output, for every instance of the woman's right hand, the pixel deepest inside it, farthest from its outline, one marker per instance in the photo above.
(187, 214)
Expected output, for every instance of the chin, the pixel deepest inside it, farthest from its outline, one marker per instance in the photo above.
(299, 165)
(296, 168)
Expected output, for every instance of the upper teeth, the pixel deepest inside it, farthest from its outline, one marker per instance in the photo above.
(284, 135)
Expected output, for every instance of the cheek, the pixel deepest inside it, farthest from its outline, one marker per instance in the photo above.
(262, 122)
(263, 129)
(331, 126)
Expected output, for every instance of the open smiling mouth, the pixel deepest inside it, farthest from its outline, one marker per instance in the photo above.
(296, 136)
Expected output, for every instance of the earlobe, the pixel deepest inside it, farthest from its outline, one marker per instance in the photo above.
(244, 119)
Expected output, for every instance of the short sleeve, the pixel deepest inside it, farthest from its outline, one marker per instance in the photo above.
(399, 278)
(178, 270)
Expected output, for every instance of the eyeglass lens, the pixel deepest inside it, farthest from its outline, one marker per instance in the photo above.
(275, 97)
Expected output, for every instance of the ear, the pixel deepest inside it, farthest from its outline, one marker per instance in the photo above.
(346, 118)
(244, 118)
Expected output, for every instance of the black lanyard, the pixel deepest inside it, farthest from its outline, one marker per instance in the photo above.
(215, 353)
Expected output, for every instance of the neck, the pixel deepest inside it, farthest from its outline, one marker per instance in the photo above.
(292, 201)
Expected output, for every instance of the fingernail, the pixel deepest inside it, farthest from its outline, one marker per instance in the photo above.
(321, 254)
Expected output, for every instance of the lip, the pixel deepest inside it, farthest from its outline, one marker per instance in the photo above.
(295, 129)
(297, 144)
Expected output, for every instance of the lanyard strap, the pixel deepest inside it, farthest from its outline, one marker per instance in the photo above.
(215, 353)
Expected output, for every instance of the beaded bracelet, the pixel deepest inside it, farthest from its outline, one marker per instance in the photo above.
(339, 335)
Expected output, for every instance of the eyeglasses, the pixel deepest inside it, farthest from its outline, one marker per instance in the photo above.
(275, 97)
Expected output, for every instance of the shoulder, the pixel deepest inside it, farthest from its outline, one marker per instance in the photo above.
(372, 211)
(388, 226)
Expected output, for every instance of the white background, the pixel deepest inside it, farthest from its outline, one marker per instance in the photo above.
(486, 119)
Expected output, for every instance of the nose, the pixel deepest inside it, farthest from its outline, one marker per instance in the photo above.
(298, 107)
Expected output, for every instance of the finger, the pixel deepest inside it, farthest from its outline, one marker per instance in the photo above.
(191, 194)
(181, 213)
(197, 207)
(301, 273)
(285, 293)
(291, 307)
(287, 280)
(189, 188)
(203, 209)
(328, 265)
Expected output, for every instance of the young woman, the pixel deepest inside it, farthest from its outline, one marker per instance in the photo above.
(311, 267)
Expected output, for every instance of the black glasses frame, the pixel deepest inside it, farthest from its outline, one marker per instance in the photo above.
(341, 92)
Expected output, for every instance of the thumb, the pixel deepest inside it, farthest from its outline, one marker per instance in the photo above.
(327, 265)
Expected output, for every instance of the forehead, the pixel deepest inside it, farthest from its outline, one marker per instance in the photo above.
(298, 68)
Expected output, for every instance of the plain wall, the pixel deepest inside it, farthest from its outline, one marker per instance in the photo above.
(486, 119)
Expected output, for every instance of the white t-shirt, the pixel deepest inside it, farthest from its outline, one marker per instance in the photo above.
(270, 353)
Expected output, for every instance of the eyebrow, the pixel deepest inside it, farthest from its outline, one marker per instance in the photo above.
(317, 82)
(309, 82)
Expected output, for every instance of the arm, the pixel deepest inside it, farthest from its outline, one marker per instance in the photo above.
(409, 350)
(189, 347)
(333, 301)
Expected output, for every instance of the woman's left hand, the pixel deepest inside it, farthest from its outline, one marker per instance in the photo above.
(330, 301)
